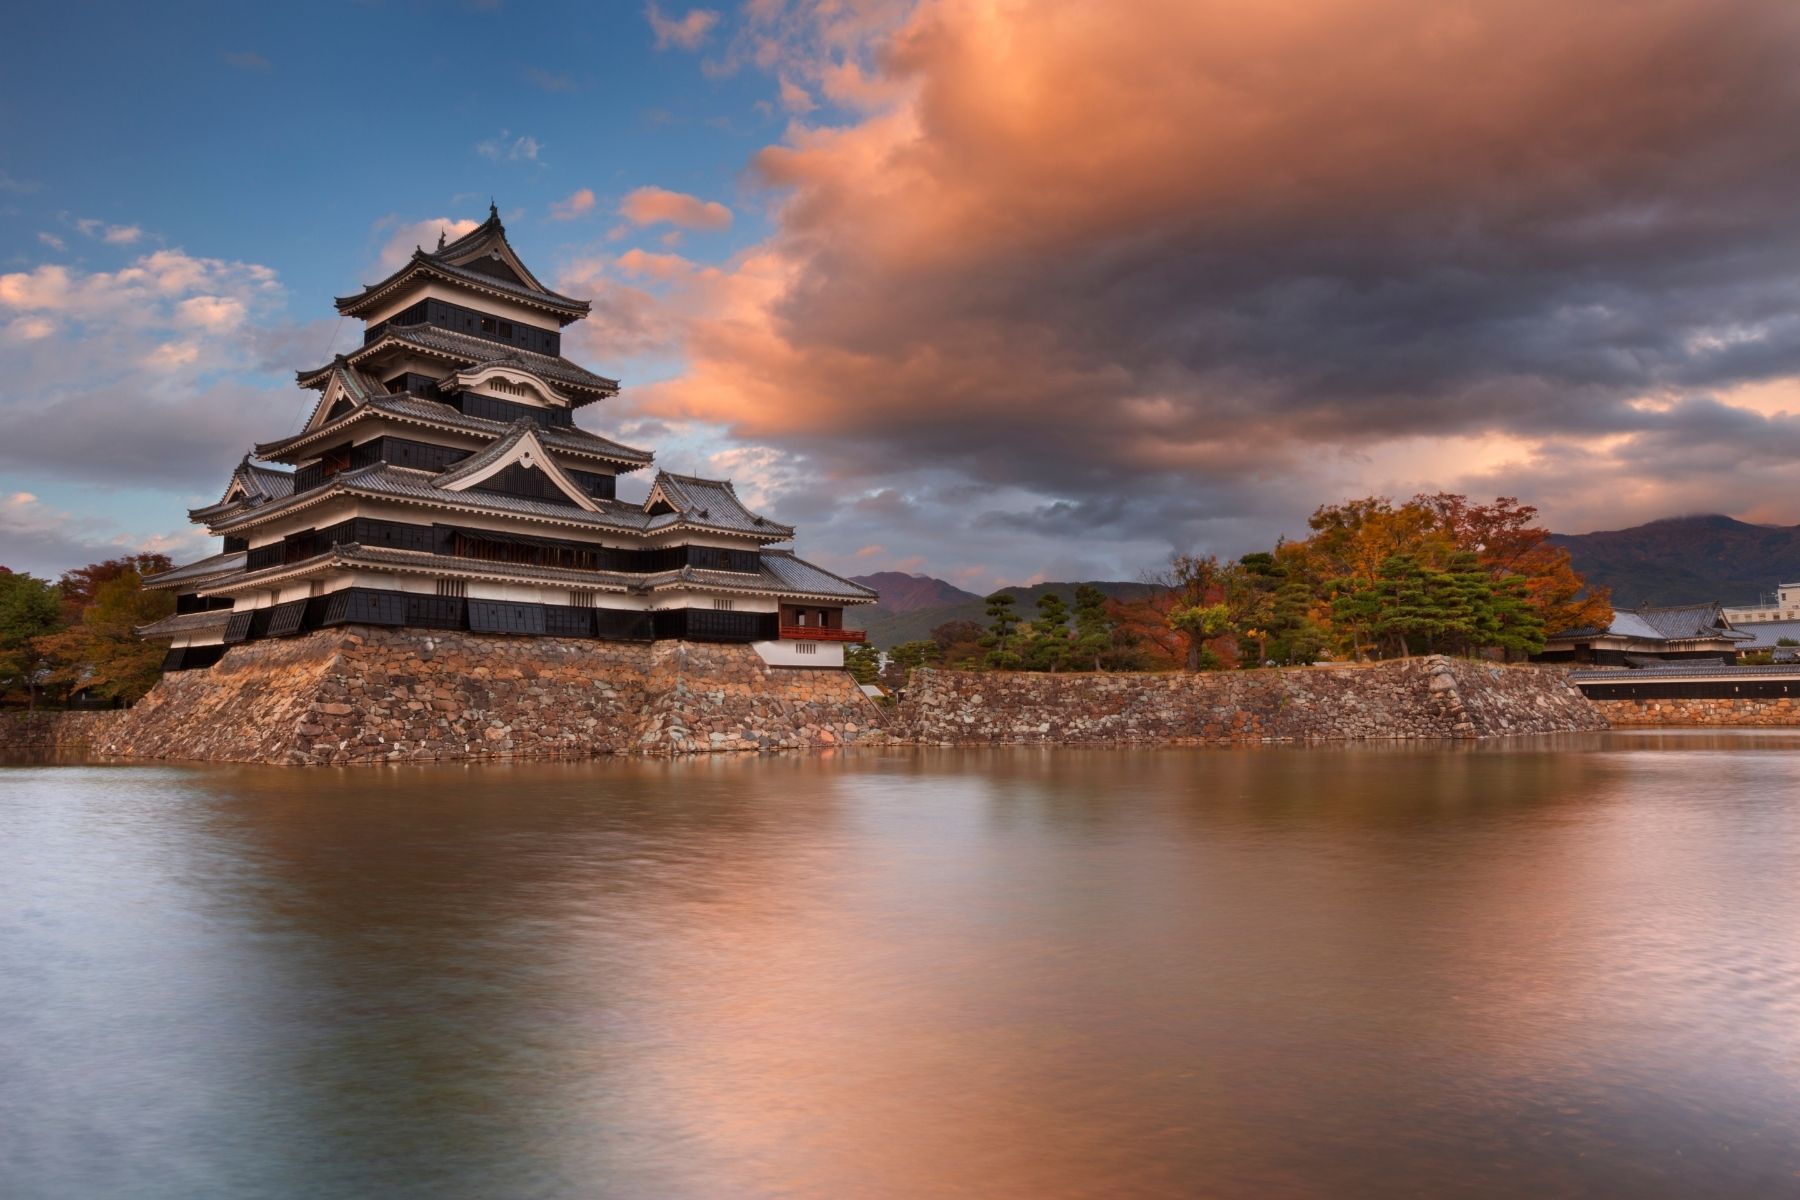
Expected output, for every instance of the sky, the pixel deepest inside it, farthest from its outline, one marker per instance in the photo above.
(997, 291)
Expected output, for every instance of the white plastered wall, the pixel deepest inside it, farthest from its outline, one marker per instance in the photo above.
(787, 653)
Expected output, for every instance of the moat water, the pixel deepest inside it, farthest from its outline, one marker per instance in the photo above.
(1556, 967)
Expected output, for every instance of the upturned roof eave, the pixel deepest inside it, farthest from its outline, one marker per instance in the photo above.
(566, 309)
(343, 485)
(628, 457)
(602, 389)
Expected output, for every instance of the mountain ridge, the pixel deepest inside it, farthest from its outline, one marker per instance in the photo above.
(889, 625)
(1687, 559)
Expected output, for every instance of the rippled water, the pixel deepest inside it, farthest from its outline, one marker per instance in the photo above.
(1558, 968)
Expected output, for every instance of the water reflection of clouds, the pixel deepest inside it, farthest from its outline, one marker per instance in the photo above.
(1278, 971)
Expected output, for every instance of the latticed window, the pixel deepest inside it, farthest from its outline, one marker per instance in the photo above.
(581, 599)
(453, 587)
(722, 604)
(806, 647)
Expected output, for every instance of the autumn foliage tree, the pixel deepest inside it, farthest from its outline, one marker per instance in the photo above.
(100, 651)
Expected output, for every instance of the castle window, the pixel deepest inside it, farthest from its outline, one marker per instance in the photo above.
(722, 605)
(581, 599)
(806, 647)
(453, 587)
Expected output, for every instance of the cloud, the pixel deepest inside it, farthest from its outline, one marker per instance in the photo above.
(641, 263)
(22, 187)
(52, 241)
(114, 235)
(654, 205)
(164, 344)
(403, 237)
(687, 32)
(1174, 275)
(46, 541)
(579, 204)
(551, 81)
(507, 148)
(794, 98)
(246, 60)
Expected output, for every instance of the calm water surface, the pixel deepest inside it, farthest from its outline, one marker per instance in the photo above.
(1558, 968)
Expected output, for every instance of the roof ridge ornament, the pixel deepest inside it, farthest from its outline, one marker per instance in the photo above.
(493, 210)
(441, 236)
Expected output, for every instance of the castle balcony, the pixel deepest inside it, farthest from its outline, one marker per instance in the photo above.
(819, 633)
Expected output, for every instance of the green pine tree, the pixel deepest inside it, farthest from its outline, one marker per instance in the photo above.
(1003, 623)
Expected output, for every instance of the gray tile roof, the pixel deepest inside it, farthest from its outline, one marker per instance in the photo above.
(803, 576)
(436, 412)
(202, 568)
(1685, 670)
(781, 574)
(489, 233)
(711, 502)
(471, 351)
(382, 480)
(262, 485)
(1683, 622)
(1762, 635)
(183, 623)
(496, 451)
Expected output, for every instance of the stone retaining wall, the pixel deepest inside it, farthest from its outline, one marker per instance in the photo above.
(54, 734)
(1423, 698)
(364, 694)
(1740, 710)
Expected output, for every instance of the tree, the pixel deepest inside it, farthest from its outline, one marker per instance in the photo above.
(1093, 626)
(102, 652)
(30, 608)
(959, 644)
(1049, 648)
(80, 585)
(863, 661)
(1003, 622)
(1201, 623)
(903, 659)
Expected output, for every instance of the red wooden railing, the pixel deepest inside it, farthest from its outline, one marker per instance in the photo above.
(818, 633)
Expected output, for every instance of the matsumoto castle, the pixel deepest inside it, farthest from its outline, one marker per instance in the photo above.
(441, 483)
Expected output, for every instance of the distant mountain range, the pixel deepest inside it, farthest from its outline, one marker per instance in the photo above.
(913, 605)
(1687, 560)
(1679, 560)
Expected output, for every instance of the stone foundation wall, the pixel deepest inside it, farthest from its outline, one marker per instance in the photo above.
(54, 733)
(361, 694)
(1745, 711)
(364, 694)
(1423, 698)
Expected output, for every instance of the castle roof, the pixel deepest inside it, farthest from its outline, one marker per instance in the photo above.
(779, 573)
(712, 502)
(468, 350)
(482, 260)
(381, 481)
(435, 414)
(251, 483)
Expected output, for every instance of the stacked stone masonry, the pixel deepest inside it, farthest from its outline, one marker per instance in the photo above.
(1735, 710)
(1433, 697)
(381, 695)
(366, 694)
(54, 734)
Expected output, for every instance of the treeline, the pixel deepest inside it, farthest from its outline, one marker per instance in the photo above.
(76, 637)
(1436, 574)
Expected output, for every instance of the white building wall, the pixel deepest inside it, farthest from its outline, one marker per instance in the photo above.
(787, 653)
